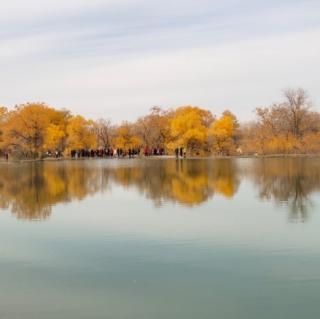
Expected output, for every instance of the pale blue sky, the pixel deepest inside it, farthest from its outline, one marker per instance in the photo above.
(118, 58)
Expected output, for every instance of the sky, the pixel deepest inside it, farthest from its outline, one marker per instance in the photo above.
(118, 58)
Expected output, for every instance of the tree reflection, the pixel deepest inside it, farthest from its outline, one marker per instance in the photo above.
(188, 182)
(30, 190)
(288, 181)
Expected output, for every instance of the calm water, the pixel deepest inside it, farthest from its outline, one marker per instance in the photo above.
(158, 239)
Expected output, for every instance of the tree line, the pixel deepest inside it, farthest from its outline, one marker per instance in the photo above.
(33, 130)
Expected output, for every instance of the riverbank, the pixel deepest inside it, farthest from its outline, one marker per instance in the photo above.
(163, 157)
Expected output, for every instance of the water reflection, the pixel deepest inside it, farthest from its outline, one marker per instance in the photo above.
(186, 182)
(30, 190)
(288, 181)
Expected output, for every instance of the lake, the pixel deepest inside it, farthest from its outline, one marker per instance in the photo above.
(160, 238)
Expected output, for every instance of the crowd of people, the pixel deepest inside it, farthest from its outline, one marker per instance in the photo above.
(106, 153)
(117, 152)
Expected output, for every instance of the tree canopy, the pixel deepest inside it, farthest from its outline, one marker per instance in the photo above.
(290, 126)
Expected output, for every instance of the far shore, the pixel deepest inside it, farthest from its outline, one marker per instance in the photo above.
(163, 157)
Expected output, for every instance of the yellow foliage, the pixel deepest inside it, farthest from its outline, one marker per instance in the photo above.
(26, 126)
(54, 136)
(189, 128)
(126, 139)
(310, 142)
(32, 128)
(221, 132)
(290, 127)
(222, 128)
(282, 144)
(80, 133)
(3, 112)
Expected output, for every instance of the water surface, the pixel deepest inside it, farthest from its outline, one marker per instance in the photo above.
(231, 238)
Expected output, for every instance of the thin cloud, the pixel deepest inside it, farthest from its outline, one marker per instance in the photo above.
(110, 58)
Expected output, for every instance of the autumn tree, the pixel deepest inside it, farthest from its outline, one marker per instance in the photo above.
(297, 105)
(105, 133)
(222, 133)
(125, 137)
(154, 128)
(3, 113)
(252, 138)
(289, 117)
(288, 126)
(80, 133)
(25, 128)
(189, 128)
(56, 132)
(144, 130)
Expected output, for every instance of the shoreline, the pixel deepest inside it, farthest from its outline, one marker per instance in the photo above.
(163, 157)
